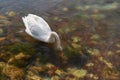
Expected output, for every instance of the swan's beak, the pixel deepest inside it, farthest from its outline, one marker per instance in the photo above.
(59, 48)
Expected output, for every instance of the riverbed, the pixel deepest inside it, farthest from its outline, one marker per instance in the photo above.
(90, 36)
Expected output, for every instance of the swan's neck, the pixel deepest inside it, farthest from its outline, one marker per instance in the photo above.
(57, 40)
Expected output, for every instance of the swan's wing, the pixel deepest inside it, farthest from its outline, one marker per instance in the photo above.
(37, 32)
(43, 24)
(26, 25)
(40, 34)
(32, 23)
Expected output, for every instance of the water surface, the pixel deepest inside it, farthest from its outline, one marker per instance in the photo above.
(89, 32)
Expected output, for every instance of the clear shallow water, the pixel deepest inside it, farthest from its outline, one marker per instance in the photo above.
(89, 31)
(27, 5)
(40, 6)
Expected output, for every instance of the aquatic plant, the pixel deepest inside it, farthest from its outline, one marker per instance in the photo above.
(16, 48)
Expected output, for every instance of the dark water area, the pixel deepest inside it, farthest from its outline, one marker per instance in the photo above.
(90, 35)
(27, 6)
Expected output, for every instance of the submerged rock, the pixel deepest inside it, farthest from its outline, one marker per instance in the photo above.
(2, 38)
(11, 13)
(19, 60)
(80, 73)
(2, 64)
(13, 72)
(65, 9)
(4, 21)
(3, 31)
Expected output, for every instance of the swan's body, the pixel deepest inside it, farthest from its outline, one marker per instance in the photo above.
(38, 28)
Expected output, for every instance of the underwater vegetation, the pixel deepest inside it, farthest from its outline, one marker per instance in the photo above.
(91, 46)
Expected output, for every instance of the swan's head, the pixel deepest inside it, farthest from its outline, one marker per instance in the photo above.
(57, 42)
(59, 48)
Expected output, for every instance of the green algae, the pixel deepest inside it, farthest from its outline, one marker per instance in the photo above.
(16, 48)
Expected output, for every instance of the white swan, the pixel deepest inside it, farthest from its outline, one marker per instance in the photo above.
(38, 28)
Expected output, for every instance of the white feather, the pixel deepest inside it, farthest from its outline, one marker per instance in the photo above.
(38, 28)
